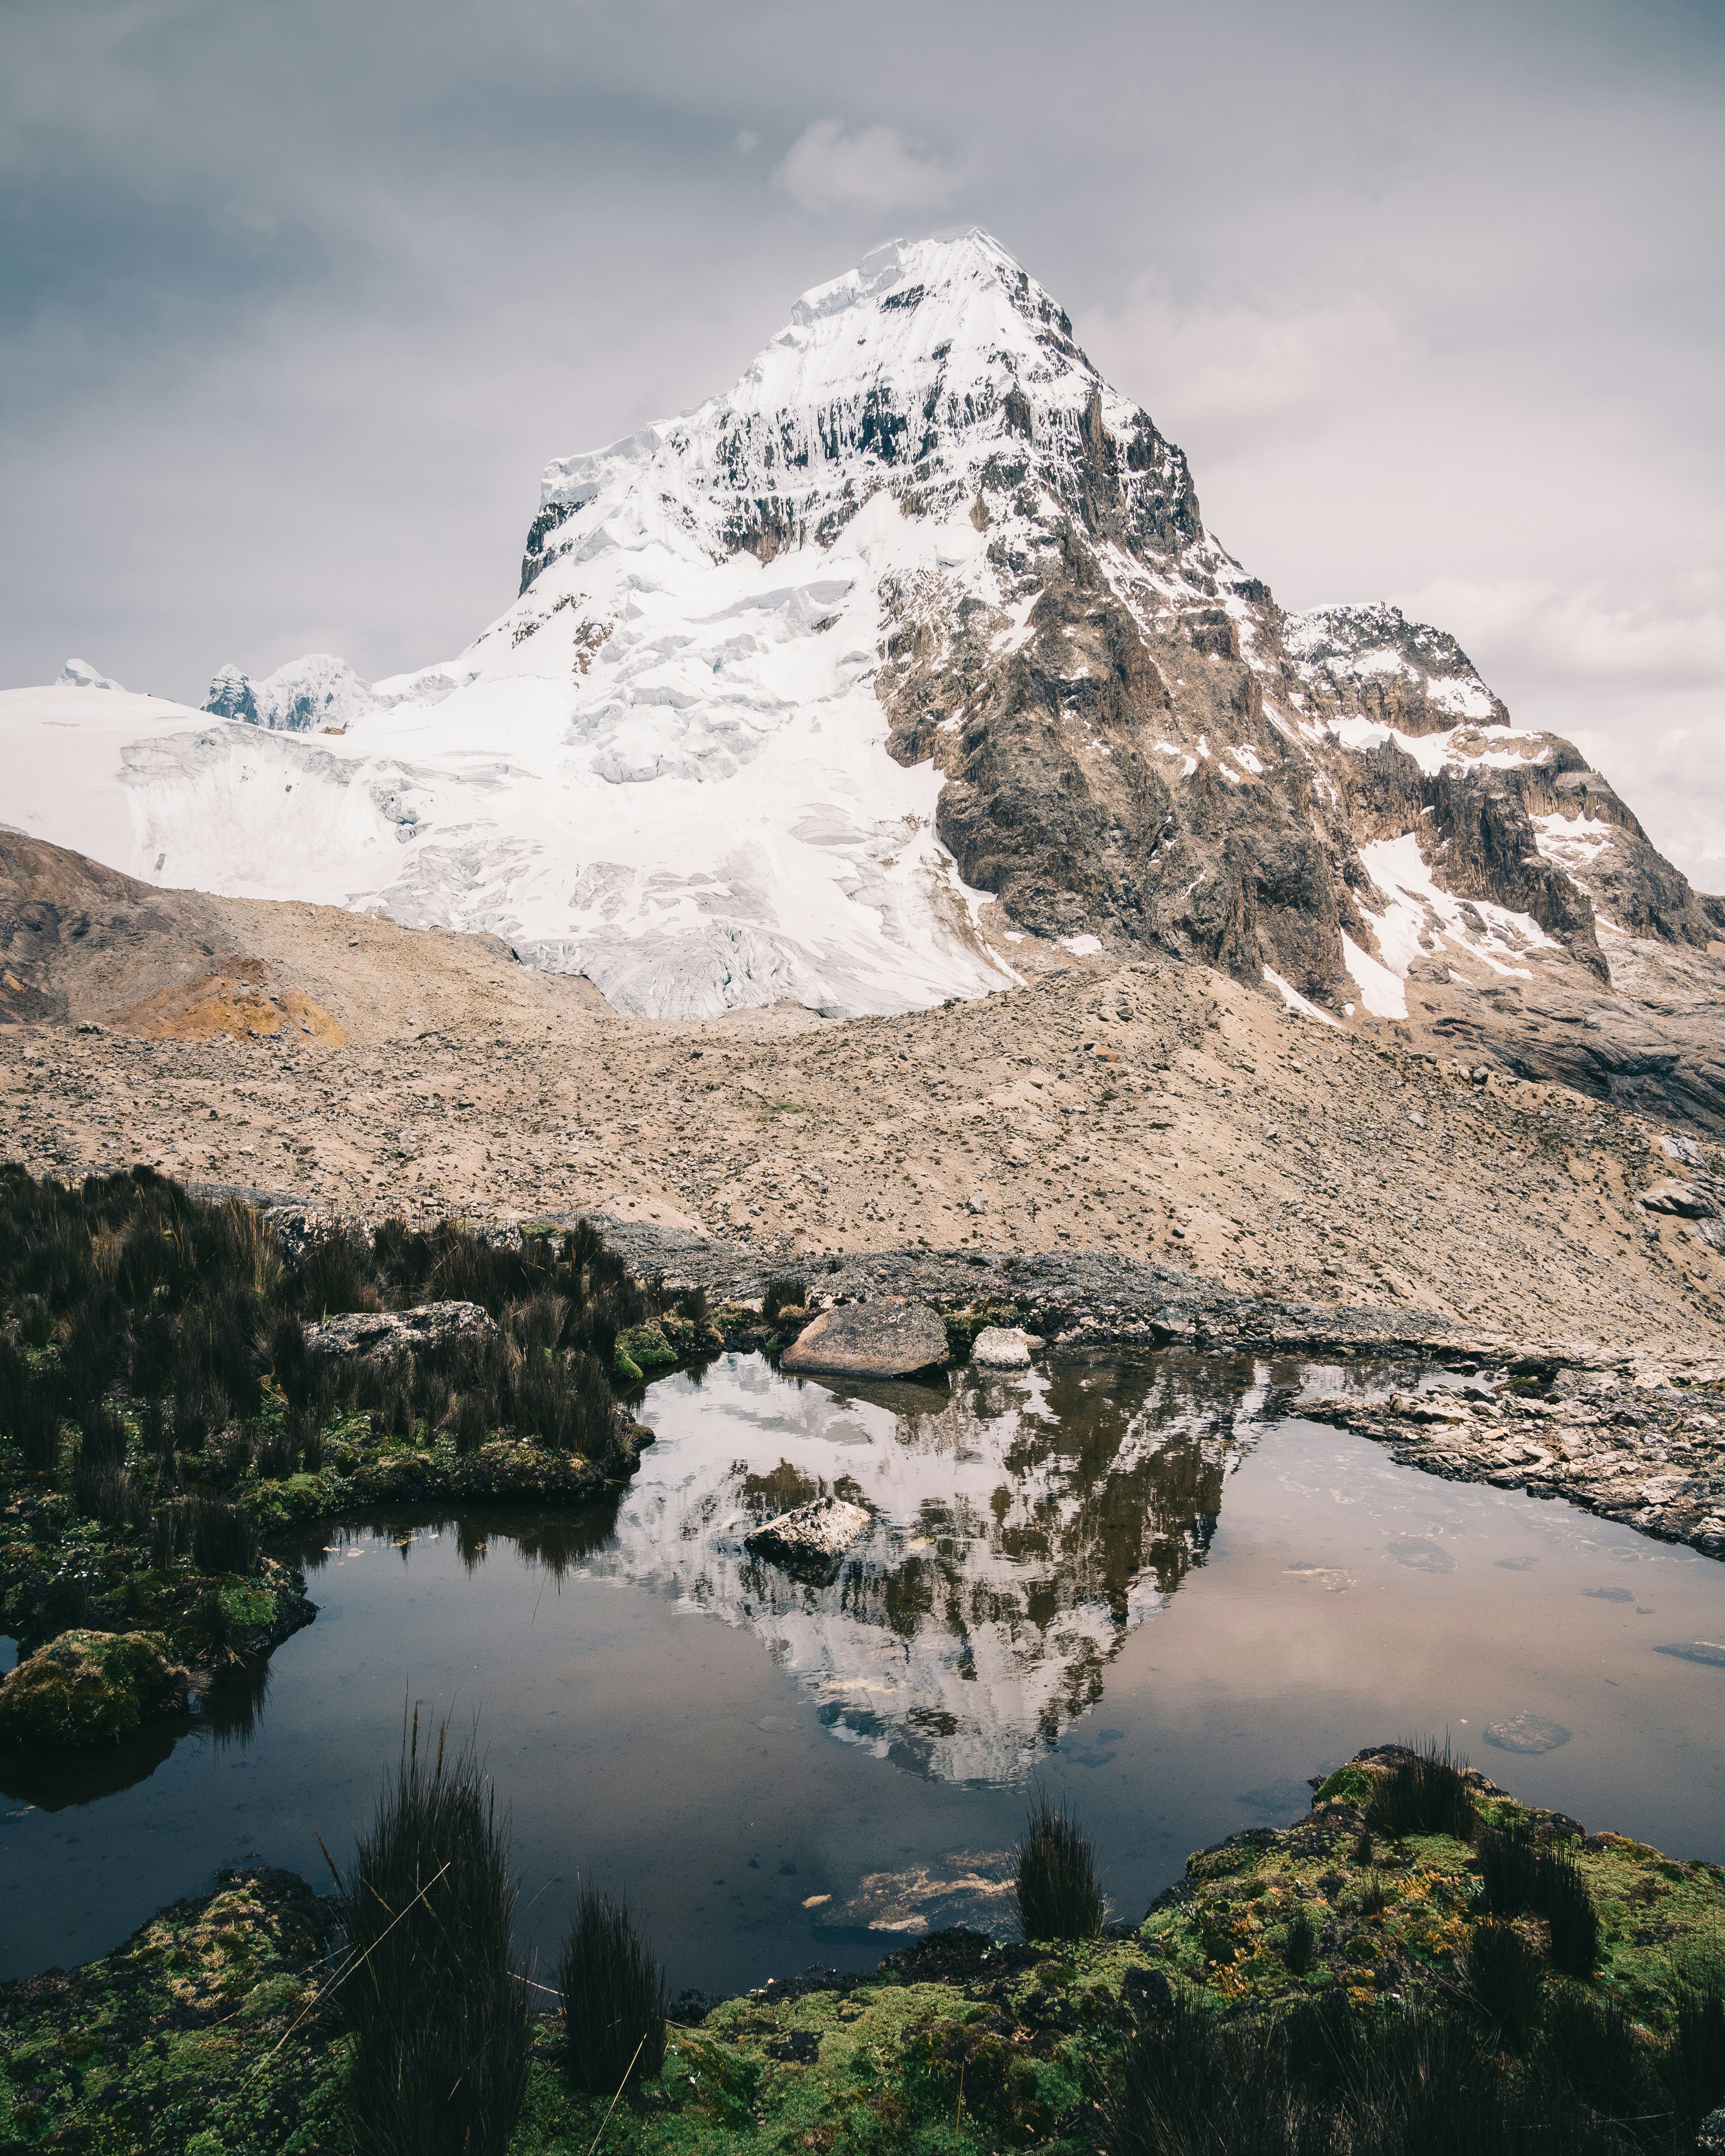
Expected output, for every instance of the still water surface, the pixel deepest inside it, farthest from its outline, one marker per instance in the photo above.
(1149, 1585)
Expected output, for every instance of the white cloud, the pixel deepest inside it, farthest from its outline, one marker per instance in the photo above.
(877, 168)
(1585, 635)
(748, 141)
(1232, 373)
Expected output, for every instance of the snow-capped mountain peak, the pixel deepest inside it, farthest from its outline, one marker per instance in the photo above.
(79, 674)
(912, 642)
(915, 373)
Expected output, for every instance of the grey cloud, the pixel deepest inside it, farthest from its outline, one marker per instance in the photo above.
(297, 300)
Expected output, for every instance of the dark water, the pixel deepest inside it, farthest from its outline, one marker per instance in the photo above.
(1131, 1581)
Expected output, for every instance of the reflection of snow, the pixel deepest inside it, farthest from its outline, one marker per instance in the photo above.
(1023, 1526)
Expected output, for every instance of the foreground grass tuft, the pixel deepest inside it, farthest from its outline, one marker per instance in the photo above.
(1057, 1892)
(218, 2028)
(612, 1993)
(440, 2023)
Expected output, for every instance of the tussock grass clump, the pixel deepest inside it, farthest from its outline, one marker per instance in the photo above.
(1592, 2045)
(1300, 1950)
(127, 1287)
(223, 1538)
(440, 2023)
(1326, 2081)
(782, 1293)
(1057, 1891)
(1567, 1907)
(1694, 2062)
(1521, 1877)
(1504, 1973)
(613, 1991)
(1424, 1791)
(104, 1492)
(218, 1537)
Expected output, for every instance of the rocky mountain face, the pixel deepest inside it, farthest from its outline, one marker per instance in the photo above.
(1139, 744)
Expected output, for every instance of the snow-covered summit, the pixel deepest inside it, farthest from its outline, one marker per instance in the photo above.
(79, 674)
(319, 691)
(914, 374)
(921, 611)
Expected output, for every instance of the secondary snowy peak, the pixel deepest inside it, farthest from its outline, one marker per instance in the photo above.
(79, 674)
(1376, 662)
(317, 693)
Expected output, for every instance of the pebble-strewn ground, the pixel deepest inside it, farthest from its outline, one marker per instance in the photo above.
(1159, 1112)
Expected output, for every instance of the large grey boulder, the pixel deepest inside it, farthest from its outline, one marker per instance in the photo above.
(1682, 1199)
(383, 1332)
(812, 1539)
(869, 1340)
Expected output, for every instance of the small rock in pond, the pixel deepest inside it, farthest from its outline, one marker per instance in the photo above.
(1710, 1651)
(1002, 1347)
(813, 1537)
(1419, 1555)
(870, 1340)
(1526, 1732)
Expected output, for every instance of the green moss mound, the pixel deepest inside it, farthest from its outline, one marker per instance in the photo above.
(646, 1348)
(88, 1688)
(1274, 1914)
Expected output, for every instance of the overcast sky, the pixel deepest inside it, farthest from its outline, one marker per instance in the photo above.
(298, 296)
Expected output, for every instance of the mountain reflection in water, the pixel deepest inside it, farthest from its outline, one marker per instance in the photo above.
(1024, 1525)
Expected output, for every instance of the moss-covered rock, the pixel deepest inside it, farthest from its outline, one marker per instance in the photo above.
(691, 1341)
(1352, 1784)
(88, 1688)
(646, 1348)
(1394, 1914)
(177, 2041)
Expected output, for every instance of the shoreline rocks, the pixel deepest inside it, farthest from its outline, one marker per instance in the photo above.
(1003, 1347)
(1646, 1453)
